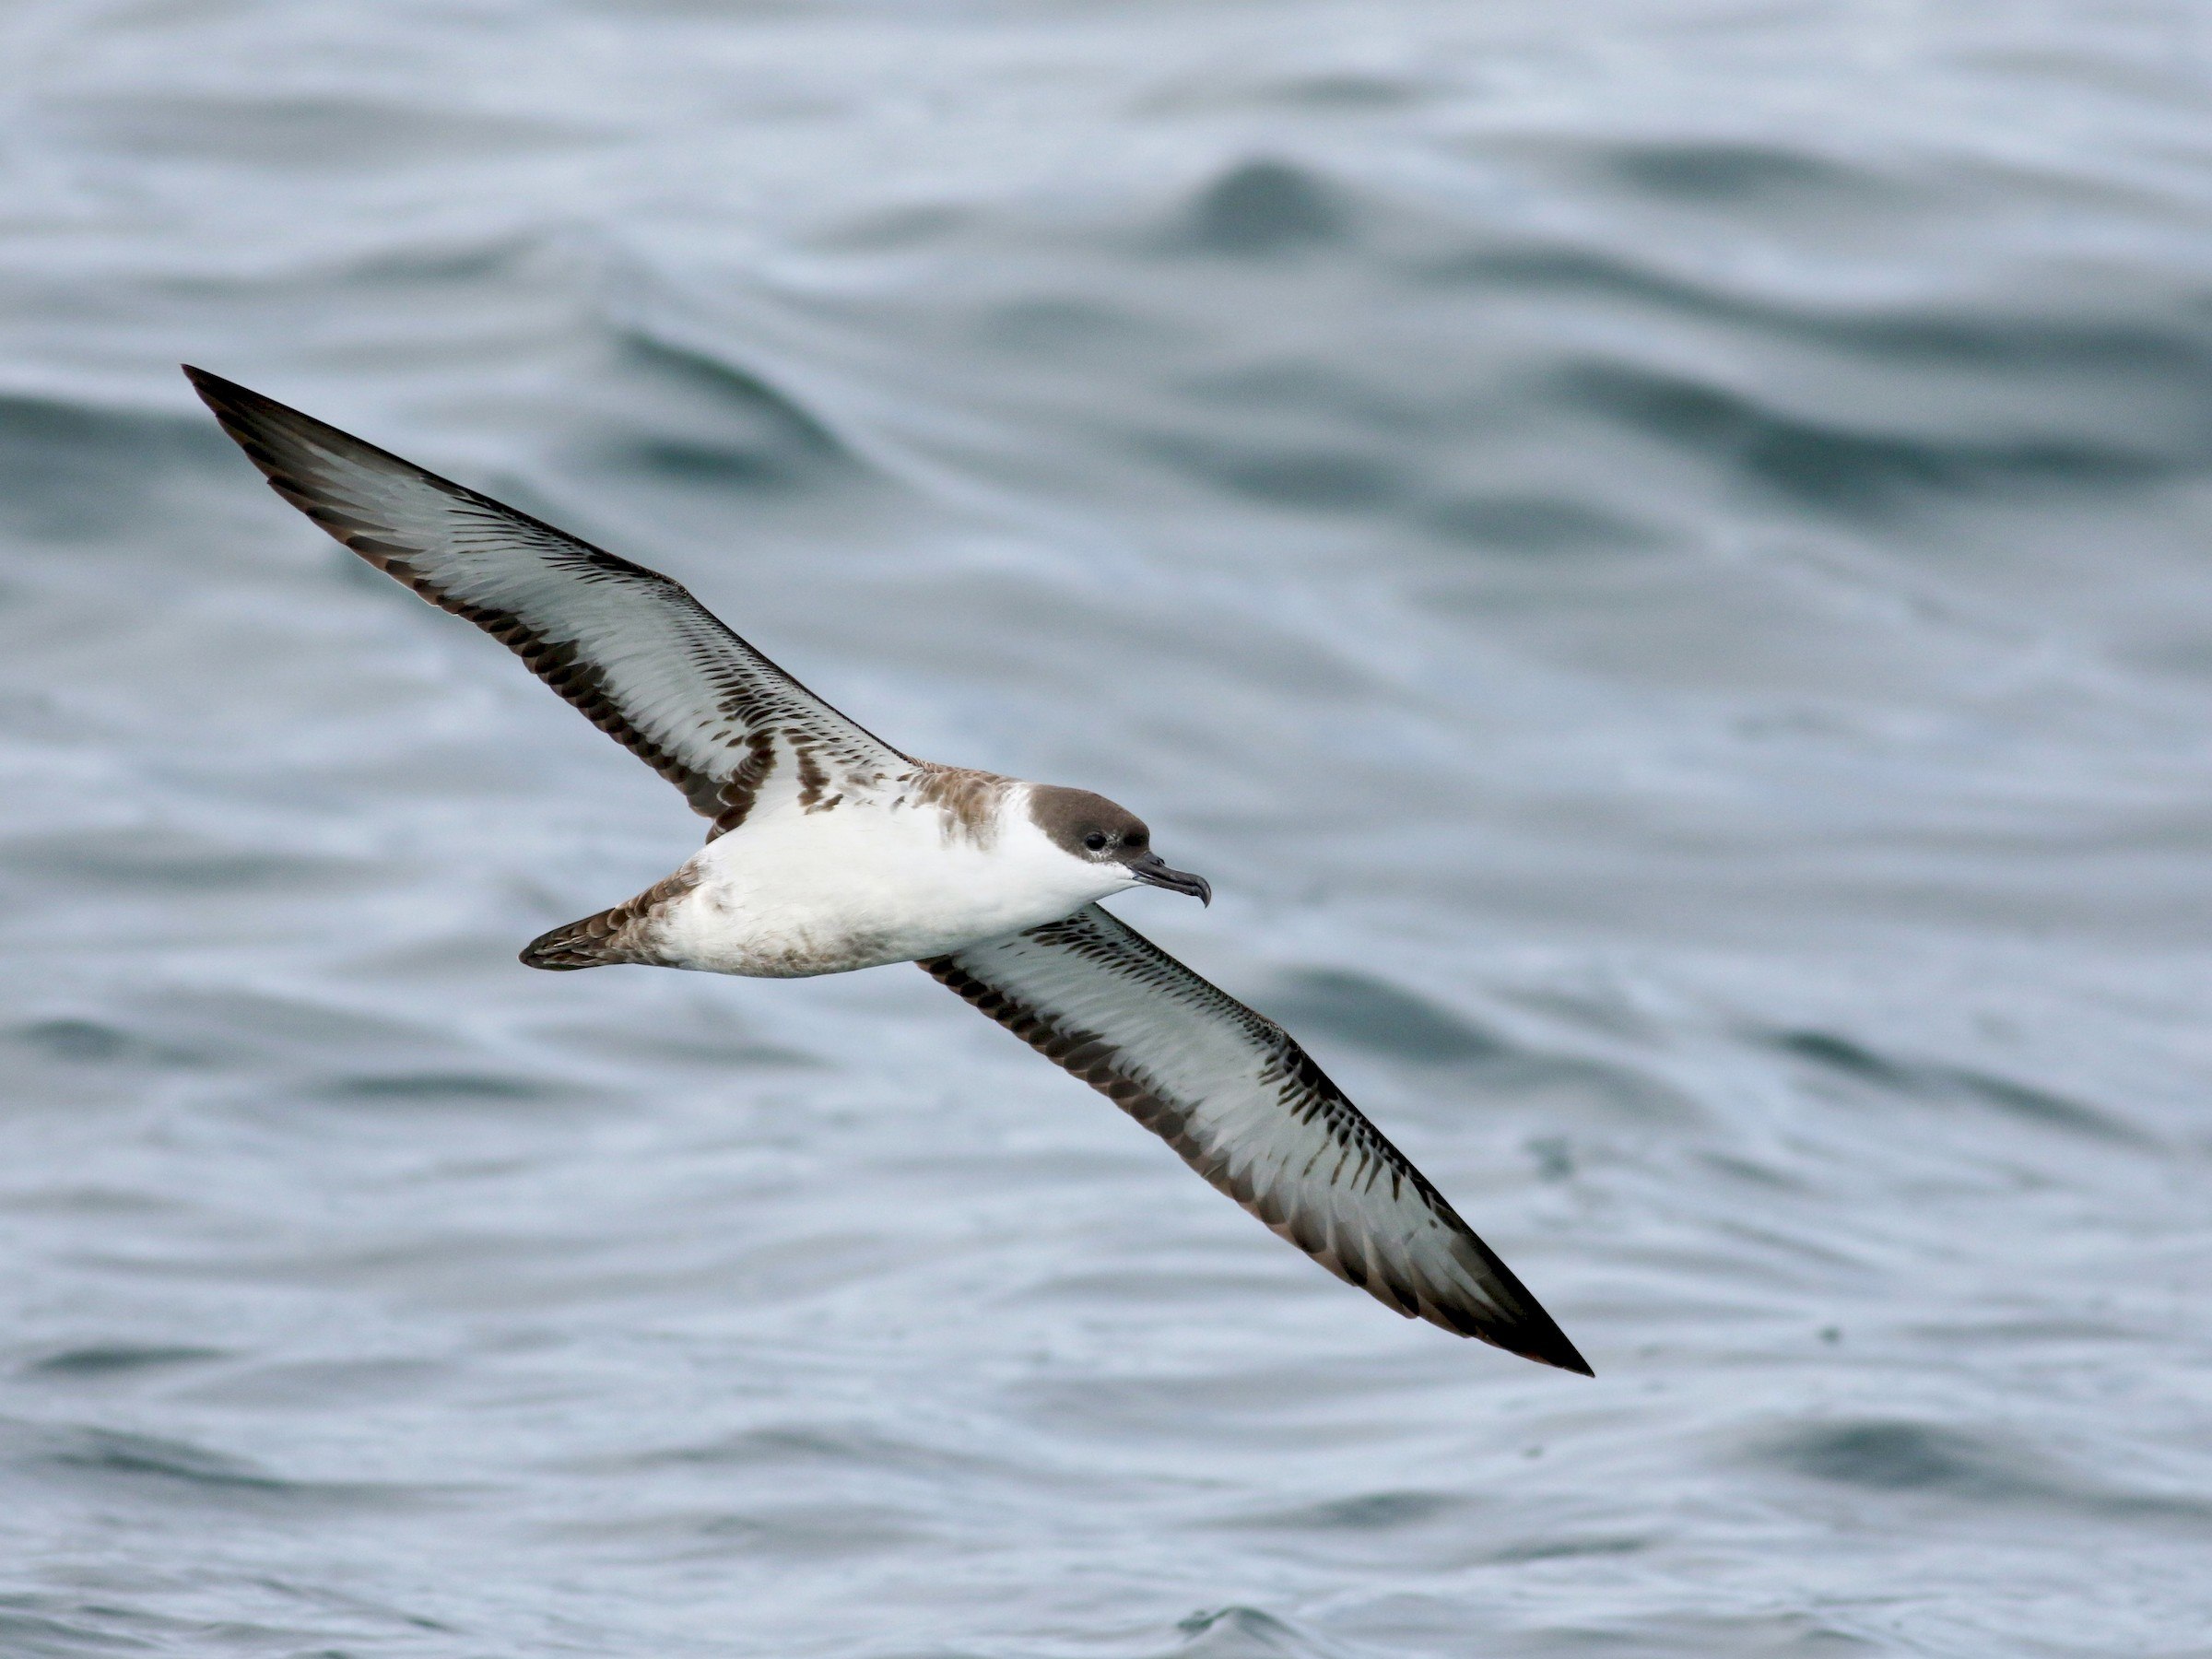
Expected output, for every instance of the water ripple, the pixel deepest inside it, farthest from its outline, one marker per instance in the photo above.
(1653, 555)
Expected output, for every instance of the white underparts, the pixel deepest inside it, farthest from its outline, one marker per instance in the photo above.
(791, 893)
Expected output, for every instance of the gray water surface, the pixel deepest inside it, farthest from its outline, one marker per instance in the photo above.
(1655, 554)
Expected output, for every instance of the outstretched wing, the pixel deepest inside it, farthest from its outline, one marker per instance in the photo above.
(646, 662)
(1248, 1110)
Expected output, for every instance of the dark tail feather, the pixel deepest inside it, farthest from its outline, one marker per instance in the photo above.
(623, 933)
(594, 942)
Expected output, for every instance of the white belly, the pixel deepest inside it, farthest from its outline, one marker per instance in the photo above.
(791, 893)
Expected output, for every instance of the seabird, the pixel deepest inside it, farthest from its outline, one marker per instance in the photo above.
(828, 850)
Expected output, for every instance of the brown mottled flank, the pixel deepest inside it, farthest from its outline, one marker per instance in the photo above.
(623, 933)
(967, 798)
(733, 801)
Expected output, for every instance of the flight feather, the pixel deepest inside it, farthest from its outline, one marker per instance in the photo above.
(642, 659)
(1246, 1107)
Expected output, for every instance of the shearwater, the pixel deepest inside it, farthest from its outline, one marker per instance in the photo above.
(828, 850)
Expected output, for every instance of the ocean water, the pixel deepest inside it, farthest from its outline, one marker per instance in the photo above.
(1655, 554)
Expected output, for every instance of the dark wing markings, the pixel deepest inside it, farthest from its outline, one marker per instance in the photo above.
(641, 658)
(1248, 1109)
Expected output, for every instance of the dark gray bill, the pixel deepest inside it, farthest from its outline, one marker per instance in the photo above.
(1152, 870)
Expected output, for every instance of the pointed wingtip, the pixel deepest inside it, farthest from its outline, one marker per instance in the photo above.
(1572, 1361)
(1504, 1312)
(282, 440)
(226, 400)
(1526, 1330)
(1546, 1343)
(217, 393)
(1510, 1318)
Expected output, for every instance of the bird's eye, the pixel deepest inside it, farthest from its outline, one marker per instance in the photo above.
(1095, 841)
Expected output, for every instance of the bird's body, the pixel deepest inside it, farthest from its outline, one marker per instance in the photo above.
(828, 851)
(923, 864)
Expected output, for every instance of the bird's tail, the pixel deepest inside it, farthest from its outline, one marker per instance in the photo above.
(625, 933)
(594, 942)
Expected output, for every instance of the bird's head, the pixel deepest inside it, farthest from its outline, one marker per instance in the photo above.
(1092, 828)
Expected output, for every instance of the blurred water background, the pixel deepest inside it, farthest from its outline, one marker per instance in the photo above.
(1654, 553)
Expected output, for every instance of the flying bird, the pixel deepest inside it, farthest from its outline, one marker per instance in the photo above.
(827, 851)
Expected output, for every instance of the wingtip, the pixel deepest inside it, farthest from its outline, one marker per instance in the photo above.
(226, 400)
(1546, 1347)
(1572, 1361)
(1506, 1314)
(215, 391)
(1522, 1327)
